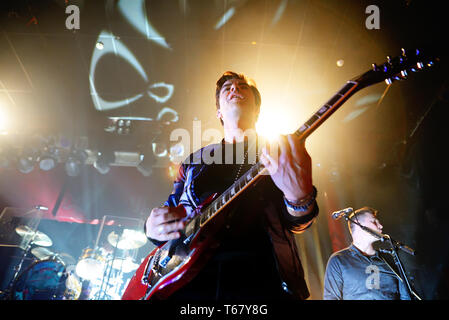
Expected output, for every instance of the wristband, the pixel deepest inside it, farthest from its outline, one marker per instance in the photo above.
(302, 205)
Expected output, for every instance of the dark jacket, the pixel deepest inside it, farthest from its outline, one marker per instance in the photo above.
(281, 226)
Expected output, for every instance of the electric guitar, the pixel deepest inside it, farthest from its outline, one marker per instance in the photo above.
(173, 264)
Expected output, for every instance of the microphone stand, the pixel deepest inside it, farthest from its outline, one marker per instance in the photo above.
(393, 252)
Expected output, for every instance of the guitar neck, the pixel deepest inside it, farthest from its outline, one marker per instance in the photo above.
(327, 109)
(258, 170)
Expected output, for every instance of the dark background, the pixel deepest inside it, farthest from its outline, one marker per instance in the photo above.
(389, 156)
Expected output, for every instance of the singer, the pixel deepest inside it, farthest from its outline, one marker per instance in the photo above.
(359, 272)
(257, 258)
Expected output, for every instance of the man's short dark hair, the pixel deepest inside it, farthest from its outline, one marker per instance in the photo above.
(233, 75)
(360, 213)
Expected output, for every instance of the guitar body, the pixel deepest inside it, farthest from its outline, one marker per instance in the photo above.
(176, 262)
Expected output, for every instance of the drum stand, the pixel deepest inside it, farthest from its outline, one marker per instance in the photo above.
(6, 294)
(111, 262)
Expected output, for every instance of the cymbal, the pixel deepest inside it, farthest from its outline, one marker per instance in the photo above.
(40, 238)
(42, 253)
(66, 258)
(130, 239)
(125, 265)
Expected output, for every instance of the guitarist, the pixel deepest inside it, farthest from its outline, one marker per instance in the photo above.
(257, 258)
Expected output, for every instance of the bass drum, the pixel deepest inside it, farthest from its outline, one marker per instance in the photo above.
(43, 280)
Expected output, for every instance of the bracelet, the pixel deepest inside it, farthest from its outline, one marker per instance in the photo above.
(302, 205)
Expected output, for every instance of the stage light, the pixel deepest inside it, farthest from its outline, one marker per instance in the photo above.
(340, 63)
(25, 164)
(270, 125)
(99, 45)
(74, 162)
(47, 163)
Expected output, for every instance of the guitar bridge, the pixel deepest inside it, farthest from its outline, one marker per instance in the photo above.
(149, 267)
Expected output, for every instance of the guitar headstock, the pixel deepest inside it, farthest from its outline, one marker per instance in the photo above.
(397, 68)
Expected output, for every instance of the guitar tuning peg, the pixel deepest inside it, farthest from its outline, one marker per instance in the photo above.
(420, 65)
(404, 74)
(388, 81)
(403, 52)
(375, 67)
(389, 59)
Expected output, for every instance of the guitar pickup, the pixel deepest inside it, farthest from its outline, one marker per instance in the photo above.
(163, 263)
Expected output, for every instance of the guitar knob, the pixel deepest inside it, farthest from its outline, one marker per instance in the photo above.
(388, 81)
(403, 52)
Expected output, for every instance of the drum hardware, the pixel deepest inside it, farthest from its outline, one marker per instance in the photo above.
(90, 264)
(36, 238)
(124, 265)
(103, 269)
(129, 239)
(47, 279)
(44, 253)
(114, 240)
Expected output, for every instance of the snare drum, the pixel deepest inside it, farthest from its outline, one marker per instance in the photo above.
(91, 264)
(42, 280)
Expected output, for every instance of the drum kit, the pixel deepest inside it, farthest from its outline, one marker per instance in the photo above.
(99, 274)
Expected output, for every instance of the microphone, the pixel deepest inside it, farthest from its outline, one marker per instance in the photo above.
(340, 213)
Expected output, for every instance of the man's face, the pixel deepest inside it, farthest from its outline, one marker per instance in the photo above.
(370, 221)
(237, 102)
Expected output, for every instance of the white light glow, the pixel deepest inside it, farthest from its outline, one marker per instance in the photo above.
(273, 123)
(225, 18)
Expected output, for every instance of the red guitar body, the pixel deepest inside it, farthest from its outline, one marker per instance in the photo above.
(170, 266)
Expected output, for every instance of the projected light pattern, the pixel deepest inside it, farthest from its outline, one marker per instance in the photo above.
(115, 46)
(112, 45)
(135, 13)
(225, 18)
